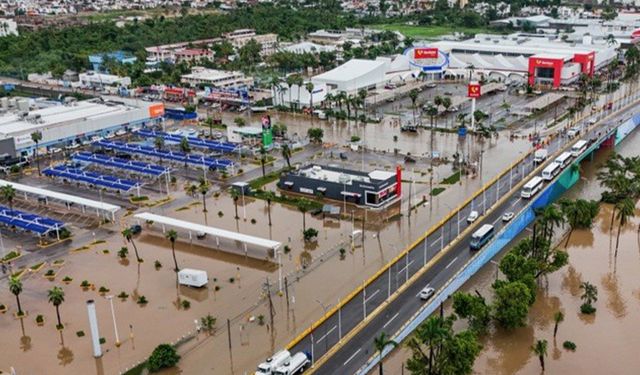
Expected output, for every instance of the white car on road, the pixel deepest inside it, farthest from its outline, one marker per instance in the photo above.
(507, 216)
(427, 293)
(473, 216)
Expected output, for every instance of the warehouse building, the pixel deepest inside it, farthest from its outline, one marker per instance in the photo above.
(72, 123)
(376, 189)
(220, 79)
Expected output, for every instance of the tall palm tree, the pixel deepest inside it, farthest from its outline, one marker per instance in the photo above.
(303, 206)
(432, 333)
(286, 154)
(380, 343)
(328, 99)
(56, 297)
(172, 236)
(362, 94)
(235, 195)
(127, 233)
(540, 349)
(192, 190)
(185, 147)
(413, 95)
(590, 292)
(550, 217)
(8, 193)
(299, 82)
(36, 137)
(309, 86)
(203, 188)
(263, 159)
(159, 144)
(558, 317)
(15, 287)
(269, 196)
(290, 80)
(446, 103)
(626, 209)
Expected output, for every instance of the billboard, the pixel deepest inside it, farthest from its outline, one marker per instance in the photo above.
(474, 90)
(267, 134)
(425, 53)
(156, 110)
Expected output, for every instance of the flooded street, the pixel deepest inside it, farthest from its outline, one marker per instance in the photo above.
(606, 341)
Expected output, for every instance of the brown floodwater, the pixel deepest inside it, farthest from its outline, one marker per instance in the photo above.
(606, 342)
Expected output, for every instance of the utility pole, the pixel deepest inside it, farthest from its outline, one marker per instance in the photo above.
(286, 291)
(271, 312)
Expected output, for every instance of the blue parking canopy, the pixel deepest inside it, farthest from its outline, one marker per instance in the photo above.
(27, 221)
(193, 141)
(119, 163)
(75, 174)
(193, 159)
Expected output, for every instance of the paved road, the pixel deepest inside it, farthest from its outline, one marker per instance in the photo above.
(353, 354)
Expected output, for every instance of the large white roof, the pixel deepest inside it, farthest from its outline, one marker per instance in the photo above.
(90, 203)
(350, 70)
(216, 232)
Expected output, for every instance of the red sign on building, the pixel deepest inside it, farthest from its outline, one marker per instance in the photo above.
(549, 63)
(474, 90)
(425, 53)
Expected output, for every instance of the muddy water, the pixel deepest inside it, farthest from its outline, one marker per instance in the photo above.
(606, 341)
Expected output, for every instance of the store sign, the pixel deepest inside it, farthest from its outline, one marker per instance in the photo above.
(474, 90)
(545, 63)
(425, 53)
(306, 191)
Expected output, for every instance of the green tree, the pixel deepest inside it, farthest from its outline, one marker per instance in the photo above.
(127, 233)
(475, 309)
(269, 196)
(36, 137)
(15, 287)
(379, 344)
(56, 297)
(158, 142)
(626, 209)
(413, 95)
(511, 304)
(315, 134)
(558, 318)
(309, 87)
(8, 193)
(186, 148)
(235, 195)
(263, 160)
(290, 80)
(589, 293)
(540, 349)
(579, 213)
(286, 154)
(172, 236)
(203, 188)
(163, 356)
(304, 205)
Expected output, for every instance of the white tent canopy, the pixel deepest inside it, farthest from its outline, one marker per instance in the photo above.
(216, 232)
(84, 202)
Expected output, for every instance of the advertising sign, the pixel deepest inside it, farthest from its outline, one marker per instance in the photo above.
(473, 90)
(425, 53)
(156, 110)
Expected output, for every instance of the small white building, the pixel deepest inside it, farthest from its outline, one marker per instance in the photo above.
(101, 80)
(239, 38)
(216, 78)
(8, 27)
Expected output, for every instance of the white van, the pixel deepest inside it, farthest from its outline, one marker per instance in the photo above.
(277, 360)
(540, 155)
(295, 365)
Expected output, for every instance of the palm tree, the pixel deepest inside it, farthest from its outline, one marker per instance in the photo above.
(36, 137)
(203, 188)
(8, 193)
(328, 99)
(626, 209)
(185, 147)
(303, 206)
(299, 82)
(192, 190)
(432, 333)
(550, 217)
(413, 95)
(309, 86)
(172, 236)
(558, 317)
(56, 297)
(15, 287)
(348, 101)
(362, 94)
(290, 80)
(159, 144)
(286, 154)
(263, 159)
(340, 98)
(127, 233)
(269, 196)
(540, 349)
(380, 343)
(590, 292)
(235, 195)
(446, 103)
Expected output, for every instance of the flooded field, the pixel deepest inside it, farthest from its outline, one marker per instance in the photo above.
(606, 343)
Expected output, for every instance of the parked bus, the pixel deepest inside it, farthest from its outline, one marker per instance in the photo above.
(551, 171)
(481, 236)
(564, 159)
(579, 148)
(532, 187)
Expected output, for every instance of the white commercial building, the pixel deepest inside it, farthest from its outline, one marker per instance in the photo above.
(71, 123)
(308, 47)
(239, 38)
(216, 78)
(8, 27)
(101, 80)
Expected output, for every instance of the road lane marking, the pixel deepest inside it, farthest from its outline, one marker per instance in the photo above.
(352, 356)
(436, 240)
(327, 334)
(405, 267)
(450, 263)
(372, 295)
(389, 321)
(516, 201)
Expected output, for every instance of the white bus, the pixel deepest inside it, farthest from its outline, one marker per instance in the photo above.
(481, 236)
(579, 148)
(551, 171)
(564, 159)
(532, 187)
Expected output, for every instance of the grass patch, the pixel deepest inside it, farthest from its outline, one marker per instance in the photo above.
(569, 345)
(182, 209)
(293, 201)
(12, 255)
(58, 262)
(97, 242)
(36, 267)
(18, 274)
(454, 178)
(437, 191)
(431, 31)
(268, 178)
(137, 370)
(140, 198)
(83, 248)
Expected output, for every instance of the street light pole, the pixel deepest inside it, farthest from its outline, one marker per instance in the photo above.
(113, 315)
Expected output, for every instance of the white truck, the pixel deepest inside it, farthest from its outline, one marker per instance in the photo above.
(297, 364)
(191, 277)
(277, 360)
(540, 155)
